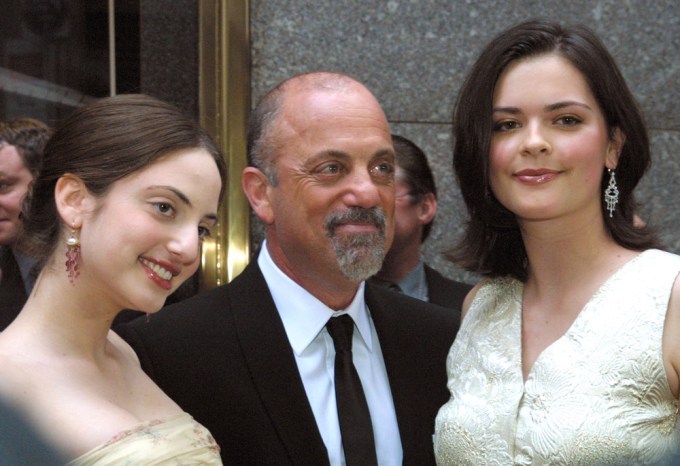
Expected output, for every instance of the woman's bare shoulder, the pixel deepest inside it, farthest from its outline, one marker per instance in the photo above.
(672, 338)
(467, 302)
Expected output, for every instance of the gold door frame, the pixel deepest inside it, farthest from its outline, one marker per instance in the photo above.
(224, 104)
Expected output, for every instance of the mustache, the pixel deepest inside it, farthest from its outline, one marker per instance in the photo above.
(373, 215)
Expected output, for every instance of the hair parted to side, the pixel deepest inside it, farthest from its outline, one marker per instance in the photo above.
(101, 143)
(262, 122)
(492, 244)
(417, 172)
(29, 136)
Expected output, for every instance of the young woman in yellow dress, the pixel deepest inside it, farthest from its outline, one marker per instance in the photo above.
(128, 189)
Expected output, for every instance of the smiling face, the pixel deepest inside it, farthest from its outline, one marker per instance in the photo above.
(14, 181)
(329, 216)
(550, 142)
(142, 239)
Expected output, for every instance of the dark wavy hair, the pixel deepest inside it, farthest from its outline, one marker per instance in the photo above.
(492, 244)
(102, 143)
(29, 136)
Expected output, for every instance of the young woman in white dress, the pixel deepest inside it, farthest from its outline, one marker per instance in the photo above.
(569, 349)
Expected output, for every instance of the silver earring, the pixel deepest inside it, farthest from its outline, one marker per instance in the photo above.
(611, 194)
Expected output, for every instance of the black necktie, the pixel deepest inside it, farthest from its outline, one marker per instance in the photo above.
(355, 420)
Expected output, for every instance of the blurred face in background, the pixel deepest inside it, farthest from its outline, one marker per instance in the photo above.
(14, 181)
(411, 214)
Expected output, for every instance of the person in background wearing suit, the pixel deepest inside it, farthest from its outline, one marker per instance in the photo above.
(21, 147)
(415, 208)
(254, 359)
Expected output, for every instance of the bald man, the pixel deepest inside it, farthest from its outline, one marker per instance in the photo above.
(253, 360)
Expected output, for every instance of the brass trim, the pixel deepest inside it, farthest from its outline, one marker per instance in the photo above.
(224, 104)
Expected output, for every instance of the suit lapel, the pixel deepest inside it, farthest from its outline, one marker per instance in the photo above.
(272, 365)
(12, 290)
(434, 287)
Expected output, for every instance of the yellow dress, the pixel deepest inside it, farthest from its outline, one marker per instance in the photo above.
(178, 440)
(599, 395)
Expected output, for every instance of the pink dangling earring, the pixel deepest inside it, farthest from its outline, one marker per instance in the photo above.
(73, 256)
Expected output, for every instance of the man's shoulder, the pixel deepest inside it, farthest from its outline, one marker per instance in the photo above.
(382, 298)
(444, 291)
(433, 276)
(402, 320)
(204, 307)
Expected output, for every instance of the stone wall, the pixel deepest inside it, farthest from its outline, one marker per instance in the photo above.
(413, 54)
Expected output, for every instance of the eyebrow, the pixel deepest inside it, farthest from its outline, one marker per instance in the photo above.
(177, 192)
(182, 197)
(547, 108)
(566, 103)
(332, 153)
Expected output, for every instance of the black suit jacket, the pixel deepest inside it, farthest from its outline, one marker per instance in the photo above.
(225, 358)
(12, 289)
(444, 291)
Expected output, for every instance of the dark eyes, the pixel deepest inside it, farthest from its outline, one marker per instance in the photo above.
(568, 121)
(509, 125)
(164, 208)
(383, 170)
(330, 169)
(506, 125)
(203, 232)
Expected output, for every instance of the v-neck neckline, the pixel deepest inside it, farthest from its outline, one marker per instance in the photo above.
(519, 297)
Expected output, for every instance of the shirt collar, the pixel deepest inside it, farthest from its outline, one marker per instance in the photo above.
(415, 283)
(26, 264)
(303, 315)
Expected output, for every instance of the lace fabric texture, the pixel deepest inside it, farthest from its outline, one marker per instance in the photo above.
(599, 395)
(179, 440)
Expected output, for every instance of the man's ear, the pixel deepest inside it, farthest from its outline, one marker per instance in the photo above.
(616, 143)
(73, 200)
(427, 208)
(257, 189)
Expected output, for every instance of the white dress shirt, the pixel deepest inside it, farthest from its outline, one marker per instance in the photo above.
(304, 318)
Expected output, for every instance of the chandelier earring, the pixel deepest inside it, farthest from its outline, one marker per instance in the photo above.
(73, 256)
(611, 194)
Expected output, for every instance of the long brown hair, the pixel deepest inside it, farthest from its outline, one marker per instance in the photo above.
(102, 143)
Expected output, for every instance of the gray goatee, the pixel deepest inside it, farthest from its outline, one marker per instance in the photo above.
(360, 255)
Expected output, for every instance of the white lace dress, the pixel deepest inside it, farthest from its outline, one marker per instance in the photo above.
(599, 395)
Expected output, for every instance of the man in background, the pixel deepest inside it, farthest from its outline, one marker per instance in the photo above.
(22, 141)
(415, 208)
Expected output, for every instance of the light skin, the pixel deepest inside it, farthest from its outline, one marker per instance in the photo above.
(548, 152)
(14, 181)
(334, 151)
(410, 217)
(60, 346)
